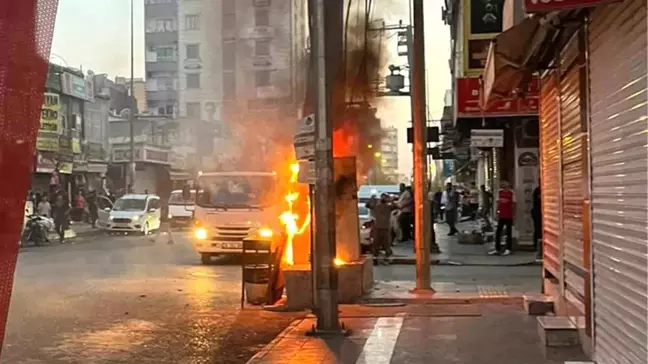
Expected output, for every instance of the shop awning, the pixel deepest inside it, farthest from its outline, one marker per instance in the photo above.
(513, 57)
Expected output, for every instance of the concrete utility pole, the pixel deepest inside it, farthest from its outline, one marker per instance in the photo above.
(131, 116)
(327, 51)
(422, 216)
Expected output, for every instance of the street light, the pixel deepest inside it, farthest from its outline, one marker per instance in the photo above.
(377, 154)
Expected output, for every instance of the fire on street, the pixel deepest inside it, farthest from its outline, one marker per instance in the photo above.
(127, 300)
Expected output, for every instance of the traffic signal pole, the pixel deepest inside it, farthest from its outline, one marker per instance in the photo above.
(422, 217)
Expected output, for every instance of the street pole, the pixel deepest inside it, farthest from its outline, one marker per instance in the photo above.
(327, 52)
(421, 210)
(131, 116)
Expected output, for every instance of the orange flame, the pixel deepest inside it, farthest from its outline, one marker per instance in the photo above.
(289, 219)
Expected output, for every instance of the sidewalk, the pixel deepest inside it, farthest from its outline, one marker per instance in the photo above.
(475, 334)
(453, 253)
(78, 230)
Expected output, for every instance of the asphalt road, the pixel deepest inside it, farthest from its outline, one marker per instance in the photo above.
(109, 300)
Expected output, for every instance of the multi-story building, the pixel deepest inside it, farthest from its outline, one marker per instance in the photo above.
(239, 62)
(139, 91)
(389, 153)
(161, 40)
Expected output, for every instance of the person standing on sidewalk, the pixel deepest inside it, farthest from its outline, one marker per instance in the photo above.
(536, 215)
(505, 211)
(93, 208)
(486, 205)
(405, 204)
(381, 211)
(44, 207)
(451, 201)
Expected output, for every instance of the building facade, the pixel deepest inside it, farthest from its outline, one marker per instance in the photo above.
(162, 56)
(389, 153)
(592, 59)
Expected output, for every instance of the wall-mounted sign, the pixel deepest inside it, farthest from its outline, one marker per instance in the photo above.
(482, 22)
(260, 3)
(47, 142)
(156, 156)
(469, 94)
(49, 120)
(306, 172)
(65, 146)
(541, 6)
(123, 155)
(304, 139)
(487, 138)
(76, 86)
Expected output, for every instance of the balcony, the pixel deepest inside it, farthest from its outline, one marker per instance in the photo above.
(161, 38)
(162, 66)
(161, 9)
(163, 95)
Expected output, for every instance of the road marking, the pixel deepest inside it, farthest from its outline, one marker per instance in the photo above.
(379, 347)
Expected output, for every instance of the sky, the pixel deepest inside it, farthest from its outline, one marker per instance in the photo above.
(95, 35)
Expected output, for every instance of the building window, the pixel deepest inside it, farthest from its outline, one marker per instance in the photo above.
(161, 25)
(193, 80)
(229, 56)
(229, 86)
(164, 53)
(192, 22)
(262, 78)
(169, 110)
(165, 84)
(262, 18)
(193, 51)
(262, 47)
(193, 109)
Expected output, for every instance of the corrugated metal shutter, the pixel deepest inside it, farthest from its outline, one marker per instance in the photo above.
(573, 160)
(550, 174)
(618, 94)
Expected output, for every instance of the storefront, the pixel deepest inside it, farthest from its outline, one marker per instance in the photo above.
(148, 161)
(594, 164)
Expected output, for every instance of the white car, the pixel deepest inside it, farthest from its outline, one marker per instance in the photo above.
(181, 210)
(135, 213)
(366, 224)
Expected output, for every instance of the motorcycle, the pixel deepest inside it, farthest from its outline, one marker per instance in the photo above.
(37, 229)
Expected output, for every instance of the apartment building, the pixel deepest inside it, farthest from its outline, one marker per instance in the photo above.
(389, 152)
(161, 39)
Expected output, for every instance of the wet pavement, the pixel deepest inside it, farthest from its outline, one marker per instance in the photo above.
(125, 300)
(496, 333)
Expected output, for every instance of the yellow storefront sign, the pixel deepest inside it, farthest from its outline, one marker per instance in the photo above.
(48, 138)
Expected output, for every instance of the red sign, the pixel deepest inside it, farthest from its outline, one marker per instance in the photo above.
(540, 6)
(469, 93)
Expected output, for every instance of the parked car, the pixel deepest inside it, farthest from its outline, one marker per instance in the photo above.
(181, 210)
(366, 225)
(135, 213)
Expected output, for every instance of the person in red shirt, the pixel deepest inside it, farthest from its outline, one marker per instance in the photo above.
(505, 213)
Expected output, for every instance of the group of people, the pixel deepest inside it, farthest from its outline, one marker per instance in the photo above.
(382, 210)
(479, 205)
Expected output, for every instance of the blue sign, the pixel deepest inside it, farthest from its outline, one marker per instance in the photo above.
(448, 168)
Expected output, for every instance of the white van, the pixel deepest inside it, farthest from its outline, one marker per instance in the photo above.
(181, 210)
(135, 213)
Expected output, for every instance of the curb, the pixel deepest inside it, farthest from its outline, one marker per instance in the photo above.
(455, 263)
(447, 299)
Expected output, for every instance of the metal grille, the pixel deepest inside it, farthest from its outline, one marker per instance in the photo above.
(574, 174)
(550, 174)
(618, 94)
(231, 233)
(26, 29)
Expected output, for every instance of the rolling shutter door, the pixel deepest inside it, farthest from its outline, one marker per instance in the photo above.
(573, 163)
(550, 174)
(618, 96)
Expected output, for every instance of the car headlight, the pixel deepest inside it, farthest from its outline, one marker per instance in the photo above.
(265, 232)
(111, 218)
(170, 216)
(135, 218)
(200, 233)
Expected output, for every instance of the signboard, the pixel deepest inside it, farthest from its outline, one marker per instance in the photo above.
(306, 172)
(432, 134)
(469, 94)
(487, 138)
(526, 179)
(123, 155)
(448, 168)
(482, 21)
(542, 6)
(304, 139)
(47, 142)
(49, 120)
(76, 86)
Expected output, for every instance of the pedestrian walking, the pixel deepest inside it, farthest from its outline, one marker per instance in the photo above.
(536, 215)
(381, 210)
(164, 189)
(450, 199)
(79, 206)
(505, 211)
(61, 214)
(93, 208)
